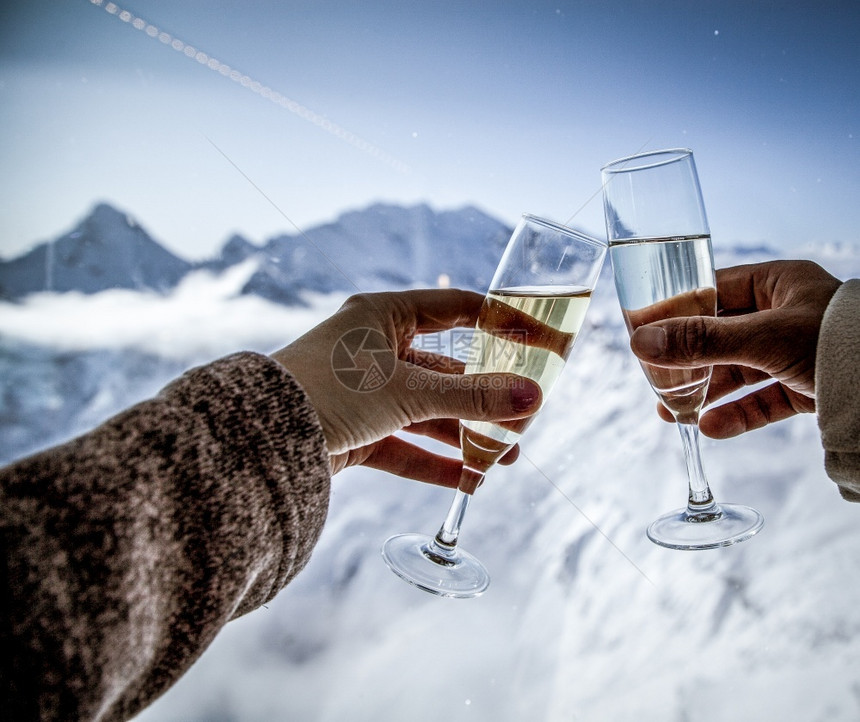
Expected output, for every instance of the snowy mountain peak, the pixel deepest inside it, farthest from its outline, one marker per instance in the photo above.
(385, 246)
(105, 215)
(107, 249)
(238, 247)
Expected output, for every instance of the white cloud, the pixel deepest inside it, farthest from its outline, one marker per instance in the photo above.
(202, 317)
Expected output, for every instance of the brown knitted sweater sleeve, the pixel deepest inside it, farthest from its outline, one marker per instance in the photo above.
(126, 550)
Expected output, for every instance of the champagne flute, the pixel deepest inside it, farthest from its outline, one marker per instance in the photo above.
(660, 246)
(527, 326)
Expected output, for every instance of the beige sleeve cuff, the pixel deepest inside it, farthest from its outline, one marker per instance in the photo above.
(837, 384)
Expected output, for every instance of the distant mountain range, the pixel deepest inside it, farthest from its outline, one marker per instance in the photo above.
(382, 246)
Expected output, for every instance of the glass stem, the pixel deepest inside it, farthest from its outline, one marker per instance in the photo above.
(701, 501)
(449, 533)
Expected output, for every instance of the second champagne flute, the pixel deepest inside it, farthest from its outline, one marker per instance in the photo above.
(660, 246)
(527, 326)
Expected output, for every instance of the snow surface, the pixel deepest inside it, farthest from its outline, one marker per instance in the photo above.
(585, 619)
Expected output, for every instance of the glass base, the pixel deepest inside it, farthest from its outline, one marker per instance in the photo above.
(419, 560)
(722, 526)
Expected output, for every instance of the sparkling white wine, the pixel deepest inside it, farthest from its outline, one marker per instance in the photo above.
(661, 278)
(528, 331)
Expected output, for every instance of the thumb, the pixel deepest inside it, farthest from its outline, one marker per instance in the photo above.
(482, 397)
(692, 341)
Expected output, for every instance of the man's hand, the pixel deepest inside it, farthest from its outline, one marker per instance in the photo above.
(769, 316)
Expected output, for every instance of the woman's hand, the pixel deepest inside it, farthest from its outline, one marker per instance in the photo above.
(367, 382)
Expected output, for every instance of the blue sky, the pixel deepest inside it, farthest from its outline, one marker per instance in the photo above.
(512, 107)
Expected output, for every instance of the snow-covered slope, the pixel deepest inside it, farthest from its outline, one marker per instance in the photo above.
(584, 620)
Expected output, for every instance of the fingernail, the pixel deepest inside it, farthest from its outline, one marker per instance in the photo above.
(524, 396)
(649, 341)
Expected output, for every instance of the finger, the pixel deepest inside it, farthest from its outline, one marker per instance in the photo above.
(762, 286)
(695, 341)
(448, 432)
(737, 287)
(664, 413)
(725, 380)
(481, 397)
(754, 411)
(426, 310)
(437, 362)
(443, 309)
(730, 378)
(401, 458)
(511, 455)
(445, 430)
